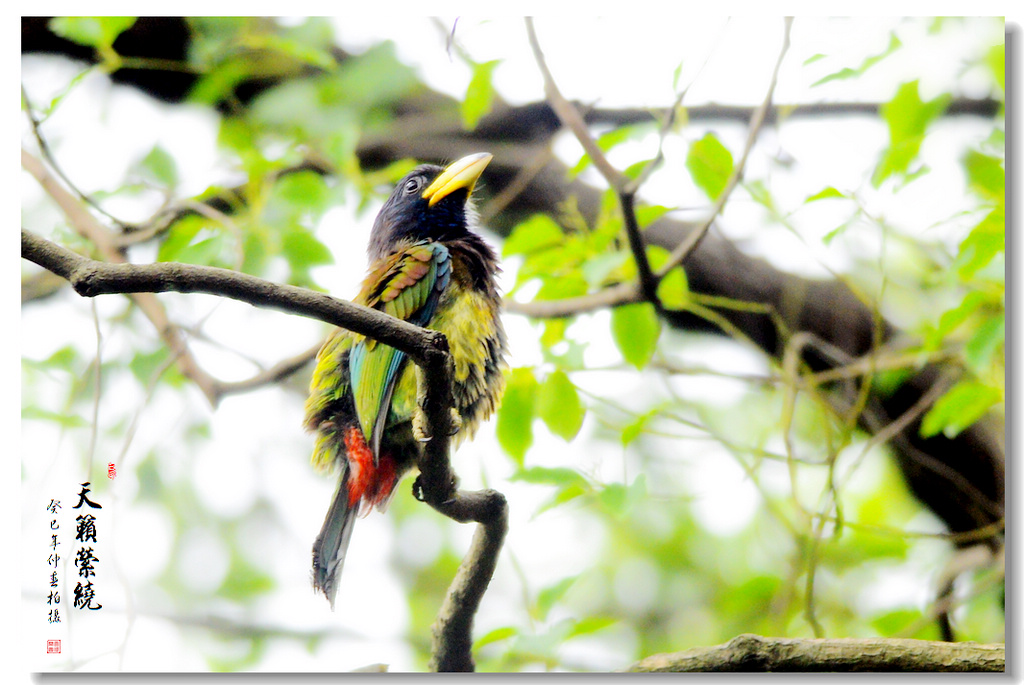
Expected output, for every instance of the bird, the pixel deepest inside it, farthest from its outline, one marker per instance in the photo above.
(428, 266)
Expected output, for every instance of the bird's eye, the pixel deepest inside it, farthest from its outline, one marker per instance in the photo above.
(412, 185)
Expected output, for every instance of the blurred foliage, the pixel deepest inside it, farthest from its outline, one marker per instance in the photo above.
(827, 517)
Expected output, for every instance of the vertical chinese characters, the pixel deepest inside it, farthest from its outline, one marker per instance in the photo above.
(53, 597)
(85, 557)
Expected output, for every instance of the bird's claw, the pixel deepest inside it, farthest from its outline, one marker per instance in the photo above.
(421, 431)
(456, 422)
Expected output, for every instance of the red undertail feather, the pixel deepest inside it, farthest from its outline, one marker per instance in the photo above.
(368, 482)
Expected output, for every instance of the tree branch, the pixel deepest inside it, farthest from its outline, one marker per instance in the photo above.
(753, 653)
(90, 278)
(453, 630)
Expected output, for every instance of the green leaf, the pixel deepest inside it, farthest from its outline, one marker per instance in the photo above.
(648, 214)
(496, 635)
(554, 332)
(559, 406)
(760, 194)
(608, 140)
(633, 429)
(590, 624)
(65, 359)
(144, 364)
(300, 50)
(514, 426)
(835, 232)
(952, 319)
(995, 60)
(635, 329)
(547, 597)
(303, 250)
(961, 406)
(673, 290)
(907, 117)
(982, 244)
(617, 498)
(376, 77)
(895, 623)
(160, 166)
(549, 475)
(96, 32)
(598, 268)
(566, 494)
(982, 345)
(65, 420)
(847, 72)
(301, 192)
(562, 287)
(657, 256)
(570, 484)
(985, 174)
(826, 193)
(193, 240)
(244, 581)
(676, 74)
(710, 164)
(479, 94)
(537, 233)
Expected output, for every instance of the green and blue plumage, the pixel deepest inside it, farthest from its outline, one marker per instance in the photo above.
(427, 267)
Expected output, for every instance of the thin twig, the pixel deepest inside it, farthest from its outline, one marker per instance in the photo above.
(87, 226)
(684, 249)
(623, 293)
(571, 118)
(47, 153)
(619, 182)
(275, 374)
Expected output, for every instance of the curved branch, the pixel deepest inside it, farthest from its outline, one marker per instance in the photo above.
(753, 653)
(453, 630)
(90, 278)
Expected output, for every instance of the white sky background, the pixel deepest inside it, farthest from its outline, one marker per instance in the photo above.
(629, 62)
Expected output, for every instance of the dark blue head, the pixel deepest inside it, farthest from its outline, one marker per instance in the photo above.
(429, 203)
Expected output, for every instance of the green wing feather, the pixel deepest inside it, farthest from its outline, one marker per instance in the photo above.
(407, 286)
(328, 387)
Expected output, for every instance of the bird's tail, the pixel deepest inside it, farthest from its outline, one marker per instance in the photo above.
(332, 543)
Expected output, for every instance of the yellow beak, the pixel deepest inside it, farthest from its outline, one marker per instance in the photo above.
(461, 174)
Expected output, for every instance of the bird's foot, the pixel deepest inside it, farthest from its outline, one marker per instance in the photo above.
(421, 429)
(456, 422)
